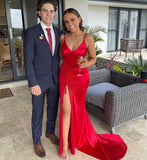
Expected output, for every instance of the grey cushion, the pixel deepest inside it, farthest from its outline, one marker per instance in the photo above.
(96, 93)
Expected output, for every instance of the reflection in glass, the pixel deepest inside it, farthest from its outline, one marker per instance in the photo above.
(143, 34)
(127, 22)
(133, 24)
(17, 27)
(112, 19)
(127, 25)
(123, 25)
(144, 20)
(112, 25)
(143, 28)
(111, 40)
(5, 57)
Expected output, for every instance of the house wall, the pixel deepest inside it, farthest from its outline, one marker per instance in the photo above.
(80, 5)
(98, 15)
(89, 15)
(118, 4)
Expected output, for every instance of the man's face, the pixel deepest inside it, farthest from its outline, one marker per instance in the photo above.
(47, 14)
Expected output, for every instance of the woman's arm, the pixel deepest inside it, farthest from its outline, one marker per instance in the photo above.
(61, 41)
(91, 52)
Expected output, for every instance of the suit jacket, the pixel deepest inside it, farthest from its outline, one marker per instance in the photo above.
(41, 67)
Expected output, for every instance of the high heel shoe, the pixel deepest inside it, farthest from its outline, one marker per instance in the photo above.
(65, 156)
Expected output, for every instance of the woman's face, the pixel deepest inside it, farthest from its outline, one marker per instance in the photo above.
(71, 22)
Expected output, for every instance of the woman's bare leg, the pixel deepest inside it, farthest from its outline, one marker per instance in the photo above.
(66, 111)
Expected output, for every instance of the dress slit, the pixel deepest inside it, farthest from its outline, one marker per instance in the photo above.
(66, 88)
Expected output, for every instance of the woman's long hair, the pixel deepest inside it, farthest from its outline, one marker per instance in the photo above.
(75, 12)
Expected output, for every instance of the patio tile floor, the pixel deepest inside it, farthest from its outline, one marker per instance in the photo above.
(15, 130)
(121, 58)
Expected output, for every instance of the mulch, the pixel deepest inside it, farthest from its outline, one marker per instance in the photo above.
(6, 92)
(105, 63)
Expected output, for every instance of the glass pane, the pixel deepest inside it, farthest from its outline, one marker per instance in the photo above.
(143, 28)
(31, 11)
(17, 28)
(5, 56)
(143, 34)
(123, 26)
(112, 19)
(144, 20)
(133, 24)
(111, 41)
(112, 28)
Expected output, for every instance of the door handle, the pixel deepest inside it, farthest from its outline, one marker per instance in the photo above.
(11, 34)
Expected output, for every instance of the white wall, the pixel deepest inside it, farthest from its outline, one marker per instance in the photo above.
(118, 4)
(80, 5)
(98, 15)
(91, 15)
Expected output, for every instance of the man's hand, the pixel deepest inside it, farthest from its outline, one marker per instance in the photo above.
(36, 90)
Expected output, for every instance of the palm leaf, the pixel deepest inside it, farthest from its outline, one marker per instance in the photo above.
(95, 33)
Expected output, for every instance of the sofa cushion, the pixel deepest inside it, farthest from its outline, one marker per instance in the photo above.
(96, 93)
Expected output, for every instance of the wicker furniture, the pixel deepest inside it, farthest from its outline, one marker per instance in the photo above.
(120, 105)
(130, 46)
(92, 68)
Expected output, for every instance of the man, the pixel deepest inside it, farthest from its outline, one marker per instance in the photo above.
(41, 57)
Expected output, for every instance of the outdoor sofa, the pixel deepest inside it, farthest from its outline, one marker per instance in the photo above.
(121, 96)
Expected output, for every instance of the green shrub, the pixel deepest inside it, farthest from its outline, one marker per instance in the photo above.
(136, 65)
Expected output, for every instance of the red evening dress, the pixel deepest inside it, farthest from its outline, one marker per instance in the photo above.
(82, 134)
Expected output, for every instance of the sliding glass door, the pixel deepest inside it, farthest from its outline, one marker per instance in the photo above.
(123, 23)
(11, 40)
(5, 56)
(15, 17)
(127, 25)
(16, 34)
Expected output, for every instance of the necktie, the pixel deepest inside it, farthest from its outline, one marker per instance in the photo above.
(50, 38)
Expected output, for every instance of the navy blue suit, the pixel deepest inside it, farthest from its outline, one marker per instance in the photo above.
(42, 69)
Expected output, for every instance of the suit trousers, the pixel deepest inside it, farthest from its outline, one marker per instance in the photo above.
(52, 97)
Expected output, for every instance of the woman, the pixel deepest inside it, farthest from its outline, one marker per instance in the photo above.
(76, 130)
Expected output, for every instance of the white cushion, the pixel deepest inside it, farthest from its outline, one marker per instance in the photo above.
(96, 93)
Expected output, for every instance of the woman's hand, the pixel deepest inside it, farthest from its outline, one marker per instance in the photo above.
(84, 63)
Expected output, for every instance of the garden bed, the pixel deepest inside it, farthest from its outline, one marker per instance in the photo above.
(105, 63)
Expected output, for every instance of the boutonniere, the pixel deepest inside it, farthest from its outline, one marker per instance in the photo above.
(42, 38)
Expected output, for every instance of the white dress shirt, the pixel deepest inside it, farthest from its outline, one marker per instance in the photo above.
(52, 34)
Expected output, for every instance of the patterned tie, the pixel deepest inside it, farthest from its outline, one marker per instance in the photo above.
(50, 38)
